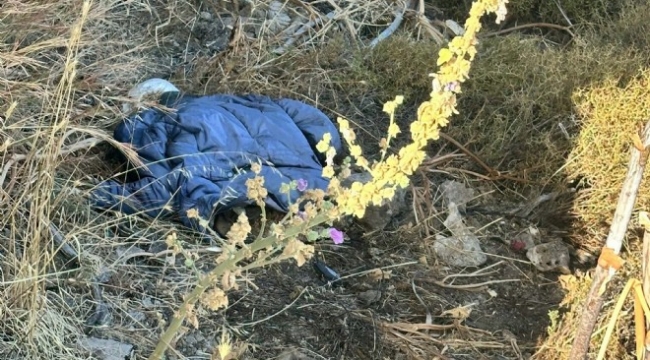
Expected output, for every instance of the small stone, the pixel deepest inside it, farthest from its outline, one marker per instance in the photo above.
(370, 296)
(463, 248)
(457, 193)
(106, 349)
(206, 16)
(552, 256)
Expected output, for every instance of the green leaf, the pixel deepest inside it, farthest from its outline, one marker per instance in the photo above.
(312, 235)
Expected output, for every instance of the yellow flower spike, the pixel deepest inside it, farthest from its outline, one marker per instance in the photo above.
(393, 130)
(444, 55)
(363, 163)
(454, 64)
(355, 151)
(328, 172)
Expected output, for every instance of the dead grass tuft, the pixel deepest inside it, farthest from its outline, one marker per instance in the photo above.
(610, 114)
(61, 64)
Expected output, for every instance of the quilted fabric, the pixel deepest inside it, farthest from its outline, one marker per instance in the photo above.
(199, 156)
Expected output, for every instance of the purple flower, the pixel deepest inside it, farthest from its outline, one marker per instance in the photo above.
(451, 86)
(336, 235)
(303, 215)
(302, 184)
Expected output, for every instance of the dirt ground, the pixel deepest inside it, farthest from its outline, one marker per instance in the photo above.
(396, 299)
(401, 312)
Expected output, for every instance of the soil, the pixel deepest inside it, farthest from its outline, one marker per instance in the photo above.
(290, 312)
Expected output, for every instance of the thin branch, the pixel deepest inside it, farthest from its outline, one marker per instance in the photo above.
(563, 13)
(399, 17)
(301, 31)
(472, 287)
(346, 20)
(643, 322)
(277, 313)
(527, 26)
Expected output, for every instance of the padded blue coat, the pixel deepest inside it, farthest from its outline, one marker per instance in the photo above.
(199, 156)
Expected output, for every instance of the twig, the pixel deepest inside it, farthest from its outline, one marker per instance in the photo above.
(59, 241)
(472, 287)
(526, 26)
(479, 272)
(5, 170)
(492, 175)
(429, 318)
(523, 210)
(377, 268)
(609, 260)
(512, 339)
(277, 313)
(351, 29)
(469, 153)
(645, 262)
(301, 31)
(211, 250)
(399, 17)
(424, 21)
(563, 13)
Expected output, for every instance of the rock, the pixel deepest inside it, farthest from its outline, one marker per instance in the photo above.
(457, 193)
(463, 248)
(206, 16)
(552, 256)
(377, 217)
(370, 297)
(105, 349)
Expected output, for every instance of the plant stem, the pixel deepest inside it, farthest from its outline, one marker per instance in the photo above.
(230, 264)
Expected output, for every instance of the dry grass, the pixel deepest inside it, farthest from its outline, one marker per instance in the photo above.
(59, 86)
(610, 114)
(63, 65)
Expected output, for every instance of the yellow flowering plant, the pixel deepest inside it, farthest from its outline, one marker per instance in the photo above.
(389, 173)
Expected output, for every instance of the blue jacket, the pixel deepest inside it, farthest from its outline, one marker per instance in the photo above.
(199, 156)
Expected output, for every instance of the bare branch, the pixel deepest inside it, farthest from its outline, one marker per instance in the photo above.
(609, 261)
